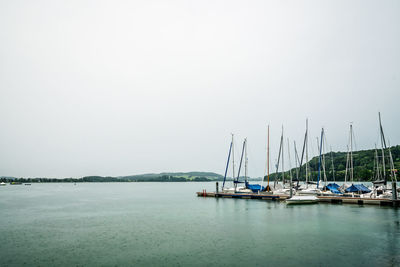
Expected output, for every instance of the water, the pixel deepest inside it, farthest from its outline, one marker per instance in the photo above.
(166, 224)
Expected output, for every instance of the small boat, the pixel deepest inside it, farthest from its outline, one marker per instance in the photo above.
(309, 191)
(16, 183)
(2, 184)
(302, 200)
(27, 184)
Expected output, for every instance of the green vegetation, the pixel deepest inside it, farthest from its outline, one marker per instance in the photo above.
(162, 177)
(363, 162)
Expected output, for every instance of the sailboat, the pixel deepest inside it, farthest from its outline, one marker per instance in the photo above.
(309, 188)
(235, 188)
(226, 169)
(302, 199)
(380, 184)
(353, 188)
(249, 188)
(285, 188)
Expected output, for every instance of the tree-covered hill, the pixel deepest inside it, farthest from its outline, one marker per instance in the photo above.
(363, 162)
(150, 177)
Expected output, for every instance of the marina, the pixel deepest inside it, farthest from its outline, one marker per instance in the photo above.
(296, 186)
(320, 199)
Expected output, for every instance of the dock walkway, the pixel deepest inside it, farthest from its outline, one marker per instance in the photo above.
(323, 199)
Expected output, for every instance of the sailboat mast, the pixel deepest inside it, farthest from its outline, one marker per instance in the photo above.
(351, 153)
(383, 144)
(277, 164)
(241, 160)
(268, 159)
(233, 163)
(245, 162)
(377, 169)
(320, 156)
(283, 165)
(290, 161)
(227, 165)
(347, 165)
(333, 169)
(296, 160)
(392, 172)
(323, 142)
(306, 142)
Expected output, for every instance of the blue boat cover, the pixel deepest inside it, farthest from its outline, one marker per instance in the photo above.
(363, 188)
(334, 188)
(254, 187)
(358, 188)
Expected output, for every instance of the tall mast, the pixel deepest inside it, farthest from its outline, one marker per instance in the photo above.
(383, 144)
(227, 165)
(268, 160)
(283, 165)
(233, 162)
(290, 161)
(392, 173)
(246, 163)
(241, 160)
(290, 169)
(377, 169)
(320, 156)
(306, 142)
(323, 158)
(351, 152)
(347, 165)
(296, 156)
(333, 169)
(279, 157)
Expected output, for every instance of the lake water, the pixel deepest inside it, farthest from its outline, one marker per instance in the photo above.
(166, 224)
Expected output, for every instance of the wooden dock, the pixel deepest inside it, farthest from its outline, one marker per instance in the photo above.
(359, 201)
(261, 196)
(323, 199)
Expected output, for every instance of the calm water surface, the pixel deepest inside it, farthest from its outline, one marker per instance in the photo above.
(165, 224)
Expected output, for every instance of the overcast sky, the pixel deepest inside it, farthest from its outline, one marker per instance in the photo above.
(131, 87)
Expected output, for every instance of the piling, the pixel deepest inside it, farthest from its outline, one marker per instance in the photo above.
(394, 191)
(216, 187)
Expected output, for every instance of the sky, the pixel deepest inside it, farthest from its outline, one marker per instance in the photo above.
(130, 87)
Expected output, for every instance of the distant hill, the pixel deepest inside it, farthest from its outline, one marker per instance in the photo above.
(149, 177)
(363, 162)
(174, 176)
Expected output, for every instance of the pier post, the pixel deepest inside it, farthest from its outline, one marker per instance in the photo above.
(216, 187)
(394, 191)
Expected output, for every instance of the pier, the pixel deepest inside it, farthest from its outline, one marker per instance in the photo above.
(322, 199)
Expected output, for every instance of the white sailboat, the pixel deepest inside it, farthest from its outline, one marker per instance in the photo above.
(308, 188)
(299, 199)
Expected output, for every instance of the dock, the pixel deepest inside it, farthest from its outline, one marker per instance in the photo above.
(322, 199)
(261, 195)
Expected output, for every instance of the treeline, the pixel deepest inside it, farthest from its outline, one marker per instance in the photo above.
(364, 163)
(99, 179)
